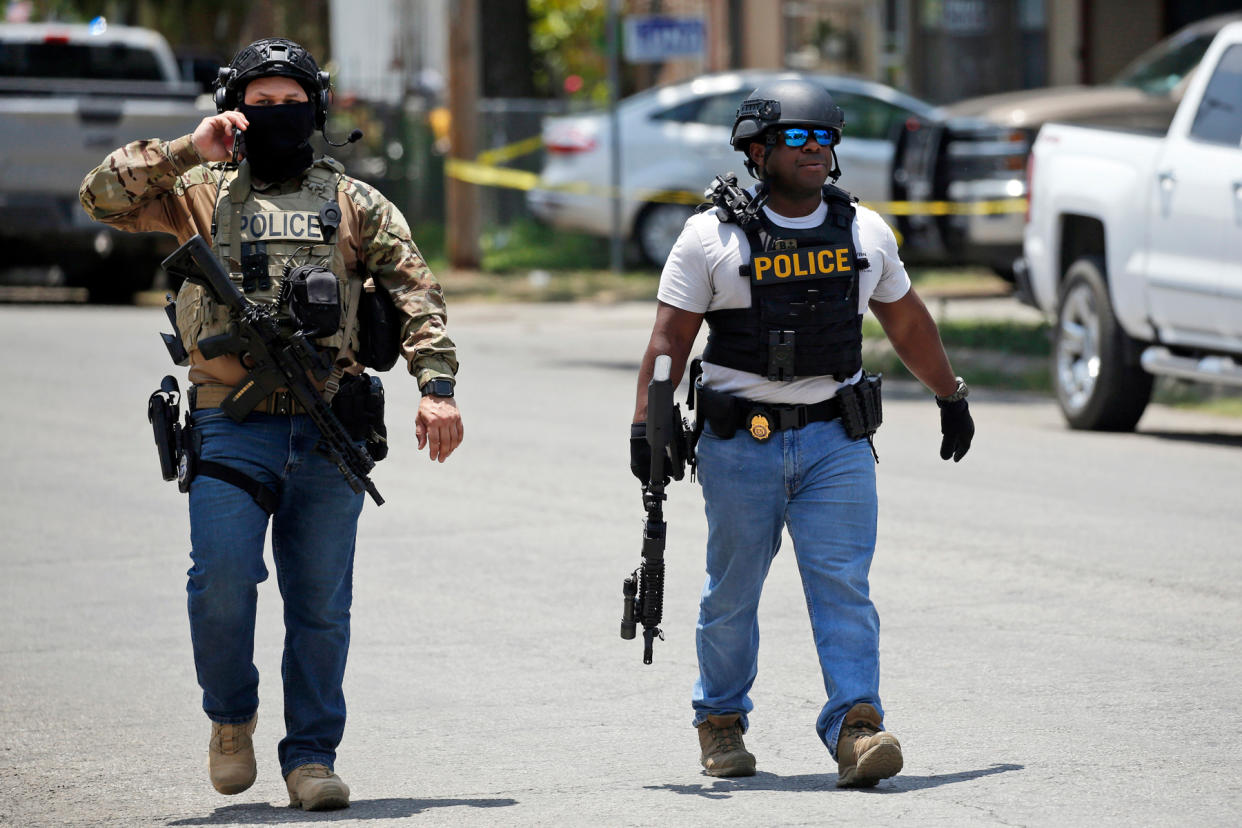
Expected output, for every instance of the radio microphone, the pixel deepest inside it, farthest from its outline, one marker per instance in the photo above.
(353, 136)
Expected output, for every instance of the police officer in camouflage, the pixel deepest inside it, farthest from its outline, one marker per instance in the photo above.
(277, 208)
(782, 274)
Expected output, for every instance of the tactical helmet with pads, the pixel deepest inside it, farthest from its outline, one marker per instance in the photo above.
(273, 57)
(787, 102)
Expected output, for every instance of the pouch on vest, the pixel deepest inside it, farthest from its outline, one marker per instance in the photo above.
(359, 405)
(861, 411)
(379, 328)
(313, 296)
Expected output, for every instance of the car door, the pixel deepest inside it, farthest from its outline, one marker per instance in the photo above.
(694, 139)
(1219, 125)
(866, 151)
(1195, 260)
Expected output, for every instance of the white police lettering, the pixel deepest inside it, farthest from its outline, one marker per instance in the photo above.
(283, 224)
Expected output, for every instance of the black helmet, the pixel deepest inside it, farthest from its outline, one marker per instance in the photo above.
(269, 57)
(789, 102)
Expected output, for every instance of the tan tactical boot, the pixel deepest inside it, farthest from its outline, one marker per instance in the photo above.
(724, 754)
(865, 753)
(230, 756)
(315, 788)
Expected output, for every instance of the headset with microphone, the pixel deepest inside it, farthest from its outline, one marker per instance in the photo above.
(277, 56)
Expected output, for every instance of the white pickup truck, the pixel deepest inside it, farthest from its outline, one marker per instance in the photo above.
(1134, 246)
(69, 95)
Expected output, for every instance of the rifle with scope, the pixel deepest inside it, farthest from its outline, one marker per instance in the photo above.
(643, 590)
(277, 356)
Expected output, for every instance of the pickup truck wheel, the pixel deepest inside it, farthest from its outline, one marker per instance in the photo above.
(1099, 386)
(657, 228)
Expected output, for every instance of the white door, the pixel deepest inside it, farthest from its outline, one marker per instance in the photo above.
(1195, 265)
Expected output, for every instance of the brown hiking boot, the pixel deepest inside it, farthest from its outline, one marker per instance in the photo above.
(230, 756)
(724, 754)
(315, 788)
(865, 753)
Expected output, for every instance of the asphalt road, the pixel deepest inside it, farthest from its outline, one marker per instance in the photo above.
(1061, 611)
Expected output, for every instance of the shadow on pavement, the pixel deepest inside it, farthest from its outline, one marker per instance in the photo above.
(264, 813)
(724, 788)
(1207, 438)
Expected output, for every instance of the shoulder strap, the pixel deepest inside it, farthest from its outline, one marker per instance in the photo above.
(239, 191)
(333, 383)
(323, 177)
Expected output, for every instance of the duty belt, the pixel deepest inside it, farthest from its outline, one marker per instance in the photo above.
(726, 413)
(278, 402)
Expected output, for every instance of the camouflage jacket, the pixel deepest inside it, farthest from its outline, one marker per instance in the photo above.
(155, 185)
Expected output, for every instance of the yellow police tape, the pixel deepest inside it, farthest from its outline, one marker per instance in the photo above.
(487, 172)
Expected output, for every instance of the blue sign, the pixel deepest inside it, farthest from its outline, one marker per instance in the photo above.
(653, 38)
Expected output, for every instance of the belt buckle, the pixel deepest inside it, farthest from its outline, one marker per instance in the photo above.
(791, 416)
(282, 402)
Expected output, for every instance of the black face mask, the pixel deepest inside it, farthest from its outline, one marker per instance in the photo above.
(277, 142)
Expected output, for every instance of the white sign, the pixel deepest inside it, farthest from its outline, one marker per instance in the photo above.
(653, 38)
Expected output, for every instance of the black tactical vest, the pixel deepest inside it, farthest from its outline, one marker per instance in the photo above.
(803, 319)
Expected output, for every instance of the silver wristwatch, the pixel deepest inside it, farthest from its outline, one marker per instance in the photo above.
(960, 393)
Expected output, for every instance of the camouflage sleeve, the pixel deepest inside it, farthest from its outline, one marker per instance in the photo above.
(392, 259)
(138, 187)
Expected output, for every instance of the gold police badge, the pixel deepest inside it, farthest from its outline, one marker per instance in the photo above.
(759, 427)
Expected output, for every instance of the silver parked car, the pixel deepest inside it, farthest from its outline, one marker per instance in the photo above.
(675, 140)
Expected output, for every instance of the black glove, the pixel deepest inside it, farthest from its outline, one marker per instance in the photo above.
(957, 427)
(640, 455)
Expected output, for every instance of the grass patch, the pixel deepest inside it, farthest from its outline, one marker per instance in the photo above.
(958, 281)
(526, 244)
(982, 369)
(551, 286)
(523, 245)
(999, 336)
(1210, 399)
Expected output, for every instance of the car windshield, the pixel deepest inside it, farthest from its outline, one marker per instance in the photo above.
(1157, 71)
(72, 60)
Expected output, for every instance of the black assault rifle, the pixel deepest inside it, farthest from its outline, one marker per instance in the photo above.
(280, 356)
(643, 591)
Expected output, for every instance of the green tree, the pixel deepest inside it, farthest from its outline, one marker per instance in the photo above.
(569, 39)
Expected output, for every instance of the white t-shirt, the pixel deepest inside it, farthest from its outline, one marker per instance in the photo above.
(701, 275)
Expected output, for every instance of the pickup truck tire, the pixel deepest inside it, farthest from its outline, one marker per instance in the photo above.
(1099, 383)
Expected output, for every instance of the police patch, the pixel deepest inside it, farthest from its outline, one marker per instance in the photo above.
(782, 266)
(281, 225)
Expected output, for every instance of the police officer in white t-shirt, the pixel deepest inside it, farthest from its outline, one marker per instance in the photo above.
(782, 274)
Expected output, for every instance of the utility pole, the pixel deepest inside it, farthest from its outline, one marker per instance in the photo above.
(614, 133)
(462, 199)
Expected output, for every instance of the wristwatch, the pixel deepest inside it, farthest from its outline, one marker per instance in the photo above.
(438, 387)
(960, 393)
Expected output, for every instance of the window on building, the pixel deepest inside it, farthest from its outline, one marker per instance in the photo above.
(1219, 118)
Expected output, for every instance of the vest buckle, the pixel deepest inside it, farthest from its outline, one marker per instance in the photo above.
(780, 356)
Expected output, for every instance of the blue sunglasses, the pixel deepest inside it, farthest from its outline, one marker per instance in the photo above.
(796, 136)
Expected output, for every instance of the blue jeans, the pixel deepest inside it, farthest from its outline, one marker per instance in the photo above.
(313, 532)
(820, 484)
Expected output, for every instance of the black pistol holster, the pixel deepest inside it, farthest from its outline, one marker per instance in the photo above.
(163, 410)
(179, 448)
